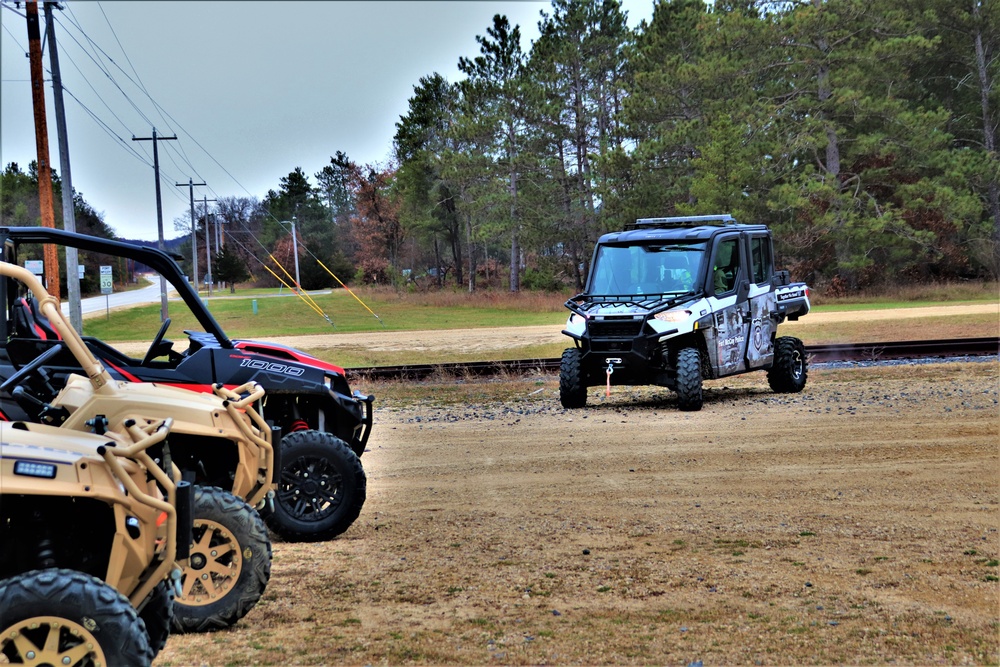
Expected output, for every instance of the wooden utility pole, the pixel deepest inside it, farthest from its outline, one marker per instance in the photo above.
(49, 254)
(194, 229)
(159, 214)
(69, 214)
(208, 246)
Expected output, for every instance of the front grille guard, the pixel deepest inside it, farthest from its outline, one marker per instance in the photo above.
(143, 437)
(237, 402)
(653, 303)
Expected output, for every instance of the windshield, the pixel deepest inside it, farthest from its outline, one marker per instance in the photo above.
(654, 268)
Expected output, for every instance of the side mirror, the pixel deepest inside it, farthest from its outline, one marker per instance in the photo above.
(742, 291)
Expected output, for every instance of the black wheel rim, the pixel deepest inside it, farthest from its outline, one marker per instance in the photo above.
(310, 488)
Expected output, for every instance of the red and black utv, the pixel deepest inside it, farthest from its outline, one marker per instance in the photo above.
(322, 485)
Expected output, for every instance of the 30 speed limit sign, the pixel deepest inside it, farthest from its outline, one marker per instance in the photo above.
(107, 286)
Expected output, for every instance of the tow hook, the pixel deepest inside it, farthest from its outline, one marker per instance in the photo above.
(611, 361)
(175, 582)
(267, 502)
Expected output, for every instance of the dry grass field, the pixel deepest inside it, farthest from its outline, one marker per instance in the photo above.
(854, 523)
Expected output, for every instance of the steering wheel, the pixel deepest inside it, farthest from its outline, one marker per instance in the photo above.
(30, 368)
(151, 353)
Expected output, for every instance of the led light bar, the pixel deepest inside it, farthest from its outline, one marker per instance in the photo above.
(33, 469)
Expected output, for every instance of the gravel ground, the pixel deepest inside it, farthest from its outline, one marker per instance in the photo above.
(856, 522)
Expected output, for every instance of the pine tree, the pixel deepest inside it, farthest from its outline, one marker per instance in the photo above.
(493, 100)
(229, 267)
(423, 137)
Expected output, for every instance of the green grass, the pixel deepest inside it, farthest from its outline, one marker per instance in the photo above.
(291, 316)
(910, 296)
(288, 315)
(889, 305)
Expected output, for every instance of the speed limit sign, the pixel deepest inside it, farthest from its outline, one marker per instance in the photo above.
(107, 286)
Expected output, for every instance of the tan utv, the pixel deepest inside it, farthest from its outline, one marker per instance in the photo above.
(90, 527)
(220, 443)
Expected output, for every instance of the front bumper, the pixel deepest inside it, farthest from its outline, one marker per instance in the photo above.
(364, 428)
(633, 360)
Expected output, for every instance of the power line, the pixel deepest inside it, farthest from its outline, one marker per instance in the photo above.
(168, 118)
(137, 82)
(104, 71)
(87, 80)
(91, 113)
(98, 56)
(107, 73)
(111, 133)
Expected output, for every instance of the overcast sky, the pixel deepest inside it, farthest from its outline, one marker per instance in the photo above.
(251, 89)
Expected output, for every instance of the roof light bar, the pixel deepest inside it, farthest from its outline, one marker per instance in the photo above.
(686, 221)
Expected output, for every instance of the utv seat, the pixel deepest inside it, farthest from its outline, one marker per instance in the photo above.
(29, 323)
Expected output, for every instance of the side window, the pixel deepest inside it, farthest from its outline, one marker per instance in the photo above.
(760, 259)
(726, 266)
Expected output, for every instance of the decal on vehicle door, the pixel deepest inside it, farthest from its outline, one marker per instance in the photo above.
(732, 337)
(761, 349)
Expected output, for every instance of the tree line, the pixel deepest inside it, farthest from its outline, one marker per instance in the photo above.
(863, 133)
(20, 207)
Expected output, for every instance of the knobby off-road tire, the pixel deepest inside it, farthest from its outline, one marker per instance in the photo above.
(229, 566)
(689, 379)
(59, 617)
(157, 613)
(572, 388)
(788, 374)
(321, 489)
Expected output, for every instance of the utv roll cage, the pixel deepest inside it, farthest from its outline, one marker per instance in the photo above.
(159, 261)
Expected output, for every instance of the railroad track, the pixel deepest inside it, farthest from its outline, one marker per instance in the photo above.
(917, 349)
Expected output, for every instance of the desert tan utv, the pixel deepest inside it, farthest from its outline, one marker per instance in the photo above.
(90, 527)
(220, 443)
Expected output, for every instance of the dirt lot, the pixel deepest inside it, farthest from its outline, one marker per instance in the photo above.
(856, 522)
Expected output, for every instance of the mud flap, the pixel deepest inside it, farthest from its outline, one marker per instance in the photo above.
(185, 518)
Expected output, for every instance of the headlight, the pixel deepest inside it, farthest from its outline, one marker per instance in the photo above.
(574, 319)
(673, 315)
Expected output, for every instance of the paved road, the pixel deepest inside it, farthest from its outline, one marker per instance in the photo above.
(98, 304)
(151, 294)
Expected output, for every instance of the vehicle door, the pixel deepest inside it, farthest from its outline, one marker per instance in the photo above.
(729, 298)
(760, 343)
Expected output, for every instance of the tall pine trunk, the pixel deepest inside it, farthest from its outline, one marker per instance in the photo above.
(989, 133)
(824, 91)
(472, 252)
(437, 264)
(515, 245)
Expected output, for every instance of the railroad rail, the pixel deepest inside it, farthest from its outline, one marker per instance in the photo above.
(894, 350)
